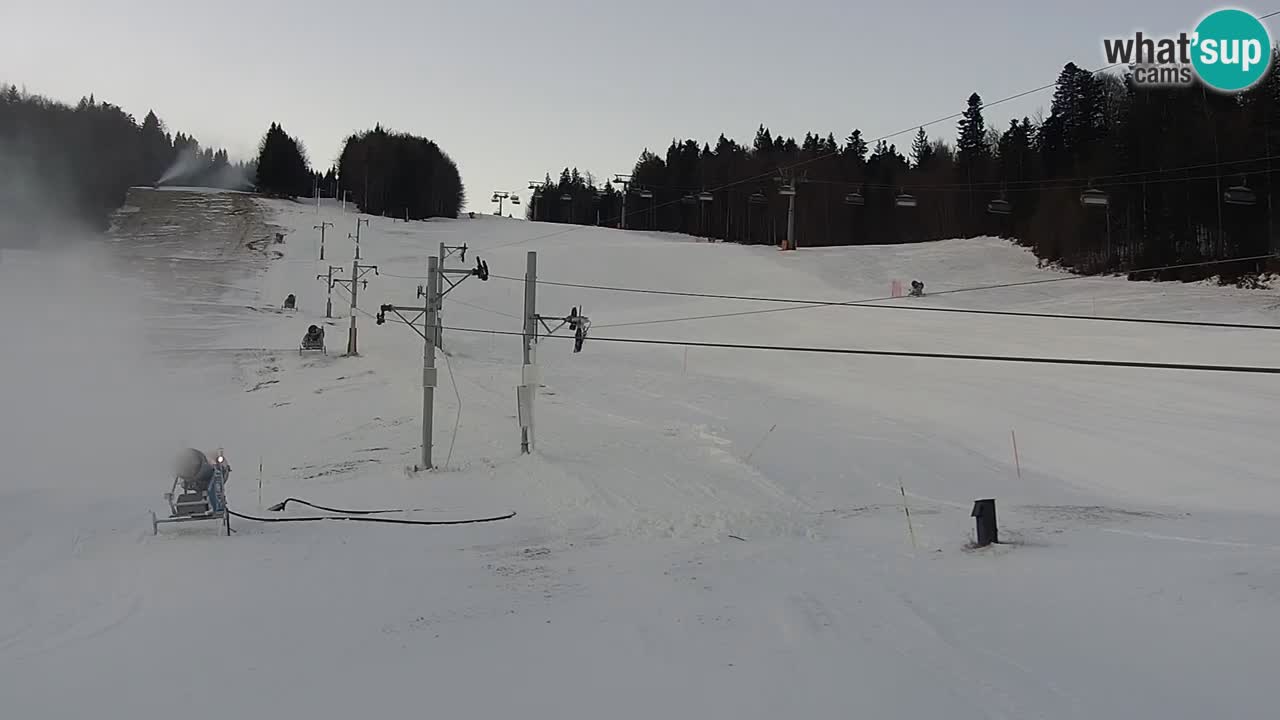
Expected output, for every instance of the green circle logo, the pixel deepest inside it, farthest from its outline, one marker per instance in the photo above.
(1232, 50)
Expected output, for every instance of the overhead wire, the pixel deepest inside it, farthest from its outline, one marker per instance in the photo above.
(911, 354)
(457, 420)
(803, 304)
(1063, 183)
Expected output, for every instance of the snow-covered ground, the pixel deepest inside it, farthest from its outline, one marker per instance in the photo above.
(700, 532)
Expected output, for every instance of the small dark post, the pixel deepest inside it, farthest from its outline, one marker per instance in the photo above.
(985, 512)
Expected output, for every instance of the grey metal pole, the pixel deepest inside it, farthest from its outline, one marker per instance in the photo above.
(429, 359)
(439, 330)
(623, 221)
(439, 324)
(359, 222)
(791, 220)
(328, 299)
(530, 327)
(355, 284)
(322, 227)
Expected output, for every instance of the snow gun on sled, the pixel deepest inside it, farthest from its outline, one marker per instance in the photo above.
(313, 341)
(203, 493)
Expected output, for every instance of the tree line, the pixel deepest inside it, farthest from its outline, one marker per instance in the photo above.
(78, 162)
(399, 175)
(1116, 177)
(60, 162)
(384, 173)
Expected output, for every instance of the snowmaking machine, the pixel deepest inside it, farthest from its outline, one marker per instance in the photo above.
(313, 340)
(203, 493)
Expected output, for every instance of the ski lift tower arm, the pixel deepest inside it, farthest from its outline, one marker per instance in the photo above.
(481, 270)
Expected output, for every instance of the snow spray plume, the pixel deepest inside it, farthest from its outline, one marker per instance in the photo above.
(186, 164)
(85, 407)
(38, 199)
(192, 170)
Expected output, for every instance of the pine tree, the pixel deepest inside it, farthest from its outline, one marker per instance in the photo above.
(157, 151)
(971, 145)
(855, 147)
(921, 150)
(282, 166)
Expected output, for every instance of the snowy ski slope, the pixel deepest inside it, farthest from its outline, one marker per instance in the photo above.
(700, 533)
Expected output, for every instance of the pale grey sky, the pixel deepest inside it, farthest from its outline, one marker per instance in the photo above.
(513, 90)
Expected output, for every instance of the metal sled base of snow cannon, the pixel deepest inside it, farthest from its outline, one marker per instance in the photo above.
(188, 504)
(313, 341)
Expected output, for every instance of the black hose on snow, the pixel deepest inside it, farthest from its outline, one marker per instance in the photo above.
(359, 516)
(314, 518)
(281, 505)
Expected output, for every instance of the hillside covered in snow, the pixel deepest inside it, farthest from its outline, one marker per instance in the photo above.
(699, 532)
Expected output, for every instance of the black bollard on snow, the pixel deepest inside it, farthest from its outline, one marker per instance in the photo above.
(985, 512)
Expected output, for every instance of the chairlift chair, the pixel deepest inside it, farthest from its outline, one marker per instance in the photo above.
(1094, 198)
(855, 199)
(706, 197)
(758, 198)
(999, 207)
(1239, 195)
(905, 200)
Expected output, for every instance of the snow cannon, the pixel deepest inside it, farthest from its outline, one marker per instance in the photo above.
(193, 468)
(203, 477)
(313, 340)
